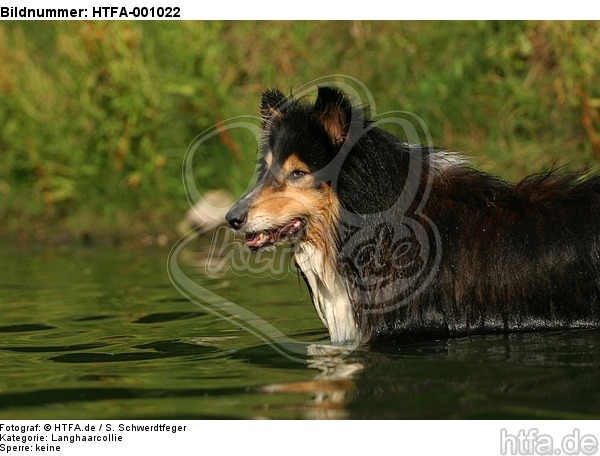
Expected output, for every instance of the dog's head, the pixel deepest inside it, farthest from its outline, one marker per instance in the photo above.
(293, 199)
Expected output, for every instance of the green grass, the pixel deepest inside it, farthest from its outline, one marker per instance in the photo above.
(96, 117)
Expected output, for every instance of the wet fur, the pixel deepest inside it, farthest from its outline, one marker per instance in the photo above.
(514, 257)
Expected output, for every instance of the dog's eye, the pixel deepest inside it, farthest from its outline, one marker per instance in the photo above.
(296, 174)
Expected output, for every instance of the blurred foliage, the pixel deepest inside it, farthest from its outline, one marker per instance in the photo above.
(95, 117)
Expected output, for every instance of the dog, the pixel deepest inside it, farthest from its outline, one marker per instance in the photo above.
(398, 241)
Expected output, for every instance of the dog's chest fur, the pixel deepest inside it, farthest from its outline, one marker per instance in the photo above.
(329, 294)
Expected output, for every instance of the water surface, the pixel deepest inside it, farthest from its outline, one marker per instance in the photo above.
(101, 333)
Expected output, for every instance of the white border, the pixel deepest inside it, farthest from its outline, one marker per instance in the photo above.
(371, 10)
(306, 438)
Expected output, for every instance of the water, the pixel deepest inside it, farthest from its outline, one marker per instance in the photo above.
(102, 333)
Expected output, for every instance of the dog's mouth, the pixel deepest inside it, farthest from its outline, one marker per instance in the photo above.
(267, 238)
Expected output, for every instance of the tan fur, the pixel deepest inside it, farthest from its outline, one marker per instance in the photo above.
(333, 121)
(286, 198)
(269, 159)
(294, 163)
(275, 115)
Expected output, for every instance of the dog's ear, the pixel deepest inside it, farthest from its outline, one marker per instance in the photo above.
(334, 111)
(271, 105)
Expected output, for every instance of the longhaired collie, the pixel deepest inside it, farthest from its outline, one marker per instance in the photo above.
(403, 241)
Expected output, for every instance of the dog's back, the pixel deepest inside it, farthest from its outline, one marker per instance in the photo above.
(513, 258)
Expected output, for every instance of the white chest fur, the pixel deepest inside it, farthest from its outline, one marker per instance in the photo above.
(329, 294)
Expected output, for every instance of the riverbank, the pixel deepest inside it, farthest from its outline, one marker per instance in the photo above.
(96, 117)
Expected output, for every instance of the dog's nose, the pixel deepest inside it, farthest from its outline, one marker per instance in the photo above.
(236, 218)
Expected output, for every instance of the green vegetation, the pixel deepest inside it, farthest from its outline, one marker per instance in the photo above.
(95, 117)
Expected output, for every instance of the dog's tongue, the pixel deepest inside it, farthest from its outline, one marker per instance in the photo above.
(255, 241)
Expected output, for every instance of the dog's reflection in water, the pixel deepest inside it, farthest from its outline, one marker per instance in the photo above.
(332, 388)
